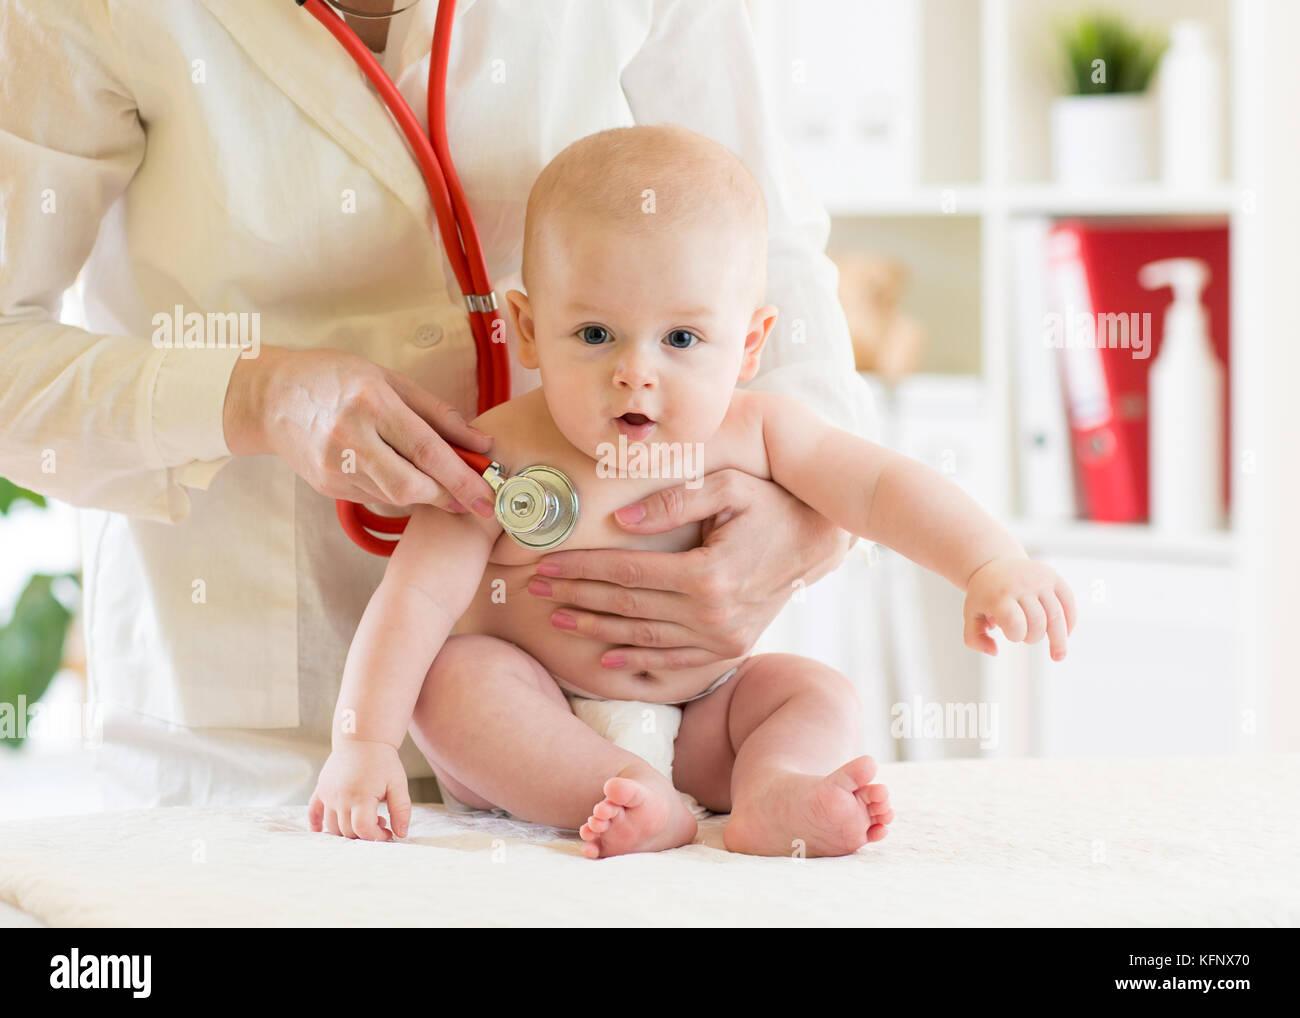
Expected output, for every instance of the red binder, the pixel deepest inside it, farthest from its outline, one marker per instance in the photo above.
(1093, 266)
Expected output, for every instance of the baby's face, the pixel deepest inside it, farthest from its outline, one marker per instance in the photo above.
(654, 324)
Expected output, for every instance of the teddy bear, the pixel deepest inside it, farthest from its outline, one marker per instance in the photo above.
(886, 342)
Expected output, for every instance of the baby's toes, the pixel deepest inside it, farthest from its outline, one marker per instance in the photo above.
(872, 798)
(596, 825)
(606, 810)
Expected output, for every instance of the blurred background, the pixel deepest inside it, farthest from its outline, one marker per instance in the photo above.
(999, 174)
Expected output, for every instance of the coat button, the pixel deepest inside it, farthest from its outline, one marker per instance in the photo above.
(427, 335)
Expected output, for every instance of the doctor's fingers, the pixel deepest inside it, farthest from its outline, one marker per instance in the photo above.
(395, 482)
(615, 599)
(645, 643)
(432, 457)
(445, 419)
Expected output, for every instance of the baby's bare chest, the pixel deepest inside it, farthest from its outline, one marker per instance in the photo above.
(598, 498)
(666, 473)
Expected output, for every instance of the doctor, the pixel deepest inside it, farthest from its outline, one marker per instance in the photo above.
(225, 161)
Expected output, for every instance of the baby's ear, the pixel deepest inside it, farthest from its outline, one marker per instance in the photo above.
(521, 313)
(760, 326)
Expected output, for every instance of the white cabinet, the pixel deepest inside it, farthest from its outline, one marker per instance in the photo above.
(1151, 665)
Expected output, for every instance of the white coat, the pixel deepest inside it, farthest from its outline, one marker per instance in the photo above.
(228, 156)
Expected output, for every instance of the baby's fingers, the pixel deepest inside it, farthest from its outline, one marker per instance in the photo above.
(976, 637)
(315, 813)
(1066, 596)
(1057, 626)
(1010, 618)
(365, 821)
(345, 822)
(1035, 618)
(399, 805)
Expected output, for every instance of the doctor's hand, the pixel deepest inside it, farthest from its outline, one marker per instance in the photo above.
(354, 430)
(358, 776)
(674, 610)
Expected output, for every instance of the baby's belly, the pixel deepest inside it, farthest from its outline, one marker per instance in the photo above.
(504, 608)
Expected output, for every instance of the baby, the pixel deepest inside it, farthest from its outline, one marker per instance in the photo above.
(645, 265)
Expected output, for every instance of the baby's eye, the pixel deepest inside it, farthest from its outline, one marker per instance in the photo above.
(681, 339)
(594, 335)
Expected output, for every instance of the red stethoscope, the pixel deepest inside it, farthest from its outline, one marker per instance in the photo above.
(538, 507)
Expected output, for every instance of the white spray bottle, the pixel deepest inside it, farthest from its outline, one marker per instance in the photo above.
(1185, 406)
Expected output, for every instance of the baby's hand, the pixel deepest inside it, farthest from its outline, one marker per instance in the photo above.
(355, 778)
(1021, 597)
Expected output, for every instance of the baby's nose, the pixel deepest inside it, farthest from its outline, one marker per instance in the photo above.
(635, 374)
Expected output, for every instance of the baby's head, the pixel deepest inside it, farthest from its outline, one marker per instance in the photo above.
(645, 262)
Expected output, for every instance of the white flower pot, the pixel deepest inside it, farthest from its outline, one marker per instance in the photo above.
(1101, 140)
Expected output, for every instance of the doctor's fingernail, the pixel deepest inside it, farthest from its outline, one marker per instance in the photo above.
(483, 507)
(634, 513)
(562, 621)
(455, 506)
(539, 586)
(617, 661)
(548, 568)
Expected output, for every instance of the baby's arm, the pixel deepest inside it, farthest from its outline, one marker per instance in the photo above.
(883, 496)
(428, 584)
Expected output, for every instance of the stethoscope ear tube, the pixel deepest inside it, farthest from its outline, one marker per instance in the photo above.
(455, 223)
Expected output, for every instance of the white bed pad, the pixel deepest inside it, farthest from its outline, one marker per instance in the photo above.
(1186, 841)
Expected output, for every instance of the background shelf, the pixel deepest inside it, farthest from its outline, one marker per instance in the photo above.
(1163, 612)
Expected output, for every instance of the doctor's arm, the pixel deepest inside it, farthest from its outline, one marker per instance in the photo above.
(95, 420)
(112, 421)
(427, 585)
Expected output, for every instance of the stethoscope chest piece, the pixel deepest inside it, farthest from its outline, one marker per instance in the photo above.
(538, 507)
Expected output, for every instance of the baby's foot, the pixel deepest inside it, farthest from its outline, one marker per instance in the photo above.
(636, 816)
(812, 816)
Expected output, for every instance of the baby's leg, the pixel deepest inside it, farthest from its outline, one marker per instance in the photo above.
(498, 731)
(778, 746)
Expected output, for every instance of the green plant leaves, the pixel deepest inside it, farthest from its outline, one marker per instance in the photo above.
(11, 493)
(1103, 55)
(31, 646)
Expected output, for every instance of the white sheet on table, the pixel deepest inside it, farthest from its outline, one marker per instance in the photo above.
(1187, 841)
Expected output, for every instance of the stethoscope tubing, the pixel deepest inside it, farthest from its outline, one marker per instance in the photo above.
(459, 237)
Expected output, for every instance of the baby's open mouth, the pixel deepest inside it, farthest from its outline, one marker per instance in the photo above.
(634, 426)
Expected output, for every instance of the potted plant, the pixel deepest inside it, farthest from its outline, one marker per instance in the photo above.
(32, 640)
(1103, 130)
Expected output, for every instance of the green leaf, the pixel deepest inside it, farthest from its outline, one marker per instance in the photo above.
(31, 645)
(11, 493)
(1129, 58)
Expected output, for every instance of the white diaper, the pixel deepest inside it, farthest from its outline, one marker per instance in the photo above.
(647, 729)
